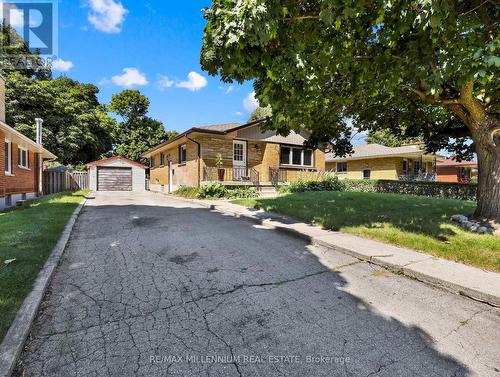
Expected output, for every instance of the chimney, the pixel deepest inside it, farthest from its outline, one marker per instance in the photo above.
(39, 124)
(2, 99)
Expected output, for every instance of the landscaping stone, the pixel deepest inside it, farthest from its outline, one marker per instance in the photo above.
(479, 227)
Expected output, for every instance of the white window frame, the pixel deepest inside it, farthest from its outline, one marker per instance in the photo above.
(290, 157)
(20, 159)
(181, 147)
(8, 154)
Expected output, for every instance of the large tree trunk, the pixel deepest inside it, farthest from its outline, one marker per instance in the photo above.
(487, 142)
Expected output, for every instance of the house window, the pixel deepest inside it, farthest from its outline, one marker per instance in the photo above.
(238, 152)
(367, 173)
(162, 159)
(152, 161)
(182, 154)
(22, 158)
(341, 167)
(296, 156)
(8, 157)
(419, 167)
(405, 167)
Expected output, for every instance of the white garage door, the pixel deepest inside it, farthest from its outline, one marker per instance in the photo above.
(114, 179)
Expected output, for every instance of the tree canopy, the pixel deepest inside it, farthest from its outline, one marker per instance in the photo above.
(137, 132)
(261, 113)
(430, 68)
(76, 127)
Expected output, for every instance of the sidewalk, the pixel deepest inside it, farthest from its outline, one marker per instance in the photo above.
(478, 284)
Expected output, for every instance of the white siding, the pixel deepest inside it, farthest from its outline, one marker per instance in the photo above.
(138, 175)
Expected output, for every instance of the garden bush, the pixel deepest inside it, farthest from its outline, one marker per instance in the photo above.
(187, 192)
(217, 191)
(212, 192)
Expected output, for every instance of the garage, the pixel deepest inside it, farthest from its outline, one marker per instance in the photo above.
(117, 174)
(114, 179)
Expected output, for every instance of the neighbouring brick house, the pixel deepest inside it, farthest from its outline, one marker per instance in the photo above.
(249, 156)
(21, 161)
(375, 161)
(451, 170)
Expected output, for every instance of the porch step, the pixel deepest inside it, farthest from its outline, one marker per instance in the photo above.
(267, 191)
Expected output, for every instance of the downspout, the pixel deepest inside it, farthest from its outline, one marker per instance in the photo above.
(199, 158)
(39, 141)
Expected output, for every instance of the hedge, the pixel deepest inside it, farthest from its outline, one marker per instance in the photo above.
(445, 190)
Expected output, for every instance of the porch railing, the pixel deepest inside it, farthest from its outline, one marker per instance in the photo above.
(234, 174)
(277, 176)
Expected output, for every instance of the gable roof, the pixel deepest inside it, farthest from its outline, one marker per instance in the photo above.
(20, 139)
(453, 162)
(376, 151)
(218, 129)
(104, 161)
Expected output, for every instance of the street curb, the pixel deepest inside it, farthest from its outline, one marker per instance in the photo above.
(13, 343)
(273, 220)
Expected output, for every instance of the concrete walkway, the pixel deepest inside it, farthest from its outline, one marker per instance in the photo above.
(155, 286)
(476, 283)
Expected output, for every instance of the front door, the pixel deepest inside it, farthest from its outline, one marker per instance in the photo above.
(239, 159)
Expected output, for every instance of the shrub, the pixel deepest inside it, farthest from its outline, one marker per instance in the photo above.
(187, 192)
(242, 193)
(327, 183)
(216, 191)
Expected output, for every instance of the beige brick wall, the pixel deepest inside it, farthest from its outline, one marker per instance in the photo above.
(381, 168)
(260, 155)
(185, 174)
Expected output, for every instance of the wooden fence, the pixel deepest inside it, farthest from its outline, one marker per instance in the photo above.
(57, 181)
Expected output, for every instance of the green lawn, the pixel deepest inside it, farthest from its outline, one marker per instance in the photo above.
(29, 234)
(411, 221)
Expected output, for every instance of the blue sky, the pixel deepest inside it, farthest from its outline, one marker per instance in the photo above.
(152, 46)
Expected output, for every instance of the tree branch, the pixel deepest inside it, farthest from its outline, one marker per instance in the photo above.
(431, 99)
(473, 9)
(298, 18)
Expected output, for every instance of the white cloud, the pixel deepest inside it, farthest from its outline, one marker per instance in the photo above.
(239, 113)
(107, 15)
(250, 103)
(164, 82)
(62, 65)
(129, 78)
(16, 17)
(229, 89)
(194, 82)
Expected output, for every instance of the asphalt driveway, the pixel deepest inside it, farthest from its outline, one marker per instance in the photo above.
(155, 286)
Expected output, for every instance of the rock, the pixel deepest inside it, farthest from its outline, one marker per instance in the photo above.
(482, 230)
(474, 228)
(467, 225)
(459, 218)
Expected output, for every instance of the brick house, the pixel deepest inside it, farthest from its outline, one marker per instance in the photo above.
(451, 170)
(21, 161)
(375, 161)
(249, 157)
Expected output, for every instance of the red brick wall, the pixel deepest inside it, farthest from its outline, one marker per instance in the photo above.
(23, 180)
(2, 164)
(447, 174)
